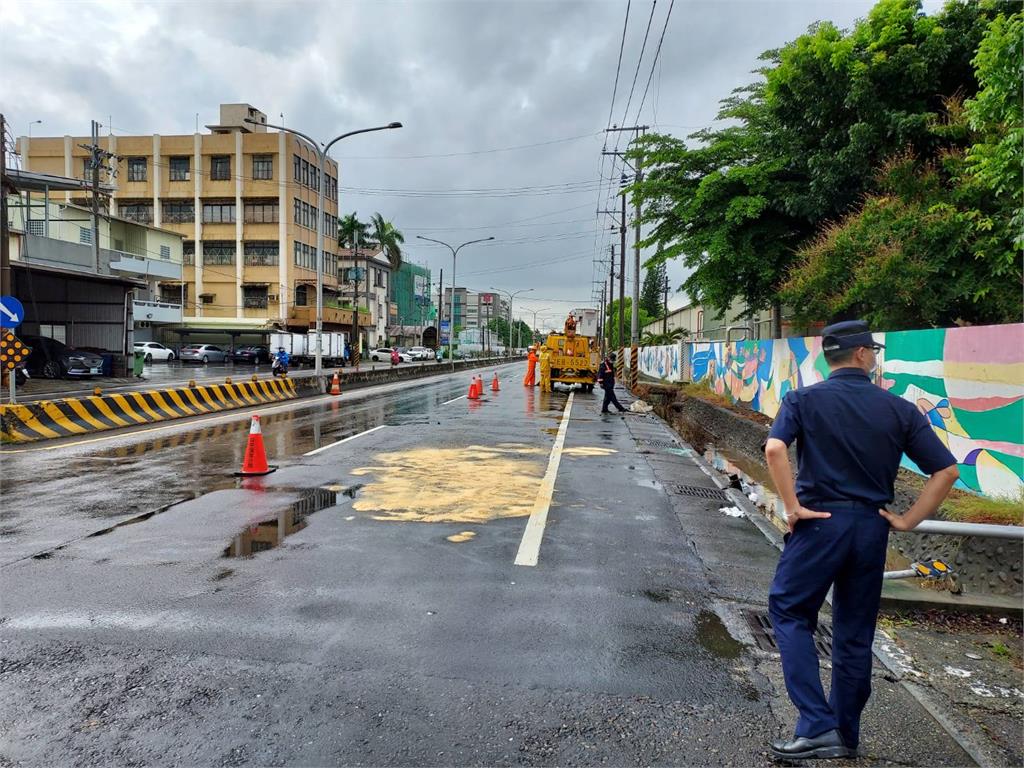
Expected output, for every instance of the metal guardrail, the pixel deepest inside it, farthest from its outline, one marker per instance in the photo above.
(952, 528)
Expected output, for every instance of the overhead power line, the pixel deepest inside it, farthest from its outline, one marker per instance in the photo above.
(654, 63)
(618, 67)
(472, 152)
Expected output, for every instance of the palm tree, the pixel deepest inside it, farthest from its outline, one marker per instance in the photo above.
(662, 339)
(388, 239)
(351, 231)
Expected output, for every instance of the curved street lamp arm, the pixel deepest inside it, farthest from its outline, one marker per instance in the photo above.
(471, 242)
(336, 139)
(439, 242)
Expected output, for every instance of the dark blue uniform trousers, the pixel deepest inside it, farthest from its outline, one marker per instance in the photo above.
(846, 550)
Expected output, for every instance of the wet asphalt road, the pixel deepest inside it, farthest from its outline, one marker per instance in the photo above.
(361, 605)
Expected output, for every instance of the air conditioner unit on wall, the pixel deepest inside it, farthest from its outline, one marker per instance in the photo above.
(271, 297)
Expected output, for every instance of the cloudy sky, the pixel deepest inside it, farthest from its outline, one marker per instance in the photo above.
(504, 102)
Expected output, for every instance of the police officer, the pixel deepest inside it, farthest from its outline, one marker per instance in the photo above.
(850, 437)
(606, 378)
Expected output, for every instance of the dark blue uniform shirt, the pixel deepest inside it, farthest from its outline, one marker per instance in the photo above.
(851, 435)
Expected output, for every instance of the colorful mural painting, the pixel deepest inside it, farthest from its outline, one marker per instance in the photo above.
(969, 382)
(665, 362)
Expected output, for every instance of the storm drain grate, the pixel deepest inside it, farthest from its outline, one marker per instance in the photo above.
(700, 492)
(658, 443)
(764, 634)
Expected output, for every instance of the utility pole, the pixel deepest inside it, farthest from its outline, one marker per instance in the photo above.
(95, 196)
(440, 306)
(638, 130)
(6, 284)
(354, 276)
(664, 304)
(97, 157)
(611, 293)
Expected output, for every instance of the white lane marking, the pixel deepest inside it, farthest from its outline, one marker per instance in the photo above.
(529, 547)
(339, 442)
(453, 400)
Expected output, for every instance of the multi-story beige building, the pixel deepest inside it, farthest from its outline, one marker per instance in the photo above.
(245, 201)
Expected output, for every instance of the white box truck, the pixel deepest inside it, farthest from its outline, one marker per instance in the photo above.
(294, 344)
(332, 346)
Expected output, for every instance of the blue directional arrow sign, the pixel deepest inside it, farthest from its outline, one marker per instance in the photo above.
(11, 312)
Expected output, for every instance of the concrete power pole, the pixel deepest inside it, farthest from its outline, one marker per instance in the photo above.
(6, 284)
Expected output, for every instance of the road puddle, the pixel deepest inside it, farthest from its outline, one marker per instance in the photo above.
(715, 638)
(474, 484)
(271, 532)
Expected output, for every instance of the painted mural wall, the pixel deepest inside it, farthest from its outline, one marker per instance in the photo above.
(665, 362)
(969, 382)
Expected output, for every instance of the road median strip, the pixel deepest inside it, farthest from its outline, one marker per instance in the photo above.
(77, 416)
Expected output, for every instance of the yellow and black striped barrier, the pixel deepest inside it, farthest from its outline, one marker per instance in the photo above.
(47, 419)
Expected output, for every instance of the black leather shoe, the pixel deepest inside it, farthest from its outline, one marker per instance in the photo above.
(827, 745)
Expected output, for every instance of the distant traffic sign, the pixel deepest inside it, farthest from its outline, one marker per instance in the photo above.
(11, 312)
(12, 351)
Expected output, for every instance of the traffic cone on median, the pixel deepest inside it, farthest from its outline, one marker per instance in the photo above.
(254, 463)
(472, 395)
(335, 384)
(494, 383)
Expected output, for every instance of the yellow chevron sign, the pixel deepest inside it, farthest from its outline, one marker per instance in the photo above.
(12, 351)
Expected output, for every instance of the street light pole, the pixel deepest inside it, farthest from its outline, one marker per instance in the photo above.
(533, 328)
(511, 298)
(451, 317)
(322, 159)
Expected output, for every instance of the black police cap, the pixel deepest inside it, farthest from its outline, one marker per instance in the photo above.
(848, 334)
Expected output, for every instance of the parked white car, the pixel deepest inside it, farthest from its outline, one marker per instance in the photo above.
(154, 351)
(420, 353)
(383, 355)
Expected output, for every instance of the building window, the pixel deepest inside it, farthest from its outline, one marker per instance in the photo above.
(305, 173)
(174, 294)
(254, 296)
(179, 211)
(37, 228)
(219, 212)
(220, 167)
(165, 251)
(378, 278)
(297, 213)
(263, 166)
(140, 212)
(301, 294)
(136, 169)
(180, 167)
(316, 178)
(218, 252)
(297, 168)
(261, 253)
(188, 251)
(261, 212)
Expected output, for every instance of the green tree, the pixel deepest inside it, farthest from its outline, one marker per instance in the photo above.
(997, 114)
(653, 288)
(741, 204)
(612, 324)
(388, 239)
(351, 231)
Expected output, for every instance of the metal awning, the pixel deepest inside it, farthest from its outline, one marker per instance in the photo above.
(41, 182)
(130, 282)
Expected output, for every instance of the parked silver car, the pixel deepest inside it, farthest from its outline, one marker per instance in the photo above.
(203, 353)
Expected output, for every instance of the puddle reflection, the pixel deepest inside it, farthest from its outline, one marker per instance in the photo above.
(271, 532)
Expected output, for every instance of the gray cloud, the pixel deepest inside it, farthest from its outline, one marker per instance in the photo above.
(461, 76)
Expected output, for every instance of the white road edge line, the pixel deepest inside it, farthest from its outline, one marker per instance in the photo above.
(529, 547)
(453, 400)
(339, 442)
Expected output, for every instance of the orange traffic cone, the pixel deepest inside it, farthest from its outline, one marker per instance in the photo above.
(255, 461)
(494, 383)
(472, 390)
(335, 384)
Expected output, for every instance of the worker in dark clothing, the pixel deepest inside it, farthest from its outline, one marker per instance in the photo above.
(606, 378)
(850, 436)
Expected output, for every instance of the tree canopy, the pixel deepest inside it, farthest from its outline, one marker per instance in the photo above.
(852, 178)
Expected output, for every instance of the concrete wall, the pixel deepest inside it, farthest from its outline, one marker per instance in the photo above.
(969, 382)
